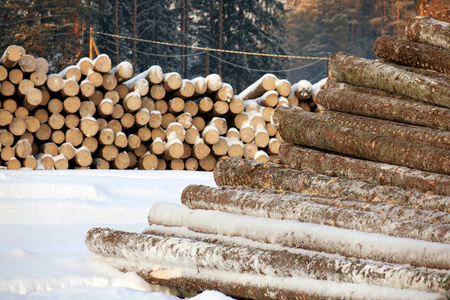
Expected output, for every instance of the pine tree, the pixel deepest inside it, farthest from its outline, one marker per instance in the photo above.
(48, 28)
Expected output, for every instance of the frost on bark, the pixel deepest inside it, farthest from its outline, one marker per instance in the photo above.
(189, 254)
(413, 54)
(271, 234)
(428, 30)
(374, 74)
(302, 158)
(237, 171)
(269, 204)
(305, 129)
(387, 108)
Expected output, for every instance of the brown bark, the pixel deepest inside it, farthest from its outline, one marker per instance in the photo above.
(379, 107)
(414, 54)
(428, 136)
(145, 248)
(374, 74)
(301, 158)
(427, 30)
(266, 203)
(237, 171)
(304, 129)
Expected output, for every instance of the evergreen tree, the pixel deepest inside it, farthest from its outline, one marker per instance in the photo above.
(250, 26)
(48, 28)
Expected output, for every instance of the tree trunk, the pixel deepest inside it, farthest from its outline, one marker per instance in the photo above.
(243, 231)
(413, 54)
(419, 134)
(301, 158)
(266, 203)
(378, 107)
(427, 30)
(185, 253)
(374, 74)
(236, 171)
(304, 129)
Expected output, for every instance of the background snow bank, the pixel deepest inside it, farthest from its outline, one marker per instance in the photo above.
(44, 216)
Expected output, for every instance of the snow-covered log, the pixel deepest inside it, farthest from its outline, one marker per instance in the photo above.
(291, 206)
(271, 234)
(237, 171)
(190, 254)
(267, 82)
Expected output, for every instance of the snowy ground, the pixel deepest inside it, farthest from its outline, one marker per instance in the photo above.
(44, 216)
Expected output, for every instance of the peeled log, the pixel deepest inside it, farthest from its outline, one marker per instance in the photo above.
(240, 230)
(269, 204)
(170, 252)
(414, 54)
(301, 158)
(237, 171)
(427, 30)
(303, 129)
(374, 74)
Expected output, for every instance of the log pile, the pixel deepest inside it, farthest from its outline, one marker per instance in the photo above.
(358, 208)
(95, 115)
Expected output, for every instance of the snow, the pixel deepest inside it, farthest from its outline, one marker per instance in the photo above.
(44, 217)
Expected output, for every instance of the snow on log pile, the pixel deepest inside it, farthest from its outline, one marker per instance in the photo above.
(95, 115)
(357, 208)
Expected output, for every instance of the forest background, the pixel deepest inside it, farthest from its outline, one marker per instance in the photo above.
(189, 36)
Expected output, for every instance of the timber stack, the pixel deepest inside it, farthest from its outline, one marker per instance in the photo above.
(357, 208)
(95, 115)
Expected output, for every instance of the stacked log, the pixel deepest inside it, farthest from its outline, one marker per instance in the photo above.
(359, 205)
(125, 119)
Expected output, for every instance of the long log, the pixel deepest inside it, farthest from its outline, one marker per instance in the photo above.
(246, 286)
(374, 74)
(428, 30)
(379, 107)
(266, 203)
(303, 129)
(414, 54)
(236, 171)
(240, 230)
(302, 158)
(419, 134)
(191, 254)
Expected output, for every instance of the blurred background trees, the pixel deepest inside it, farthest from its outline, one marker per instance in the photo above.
(144, 32)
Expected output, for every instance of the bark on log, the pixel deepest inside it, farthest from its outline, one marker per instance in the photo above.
(179, 252)
(378, 107)
(303, 129)
(236, 171)
(427, 30)
(241, 230)
(418, 134)
(414, 54)
(374, 74)
(269, 204)
(245, 286)
(301, 158)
